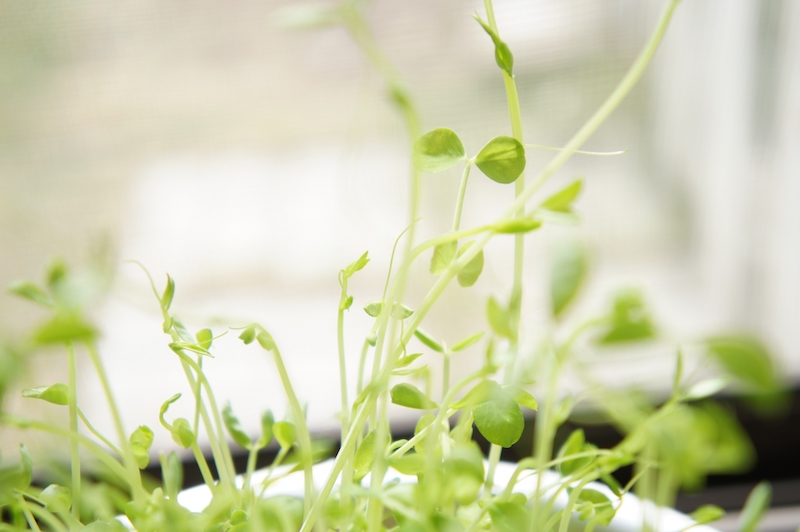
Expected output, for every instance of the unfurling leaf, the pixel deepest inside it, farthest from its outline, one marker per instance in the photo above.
(57, 394)
(562, 200)
(168, 294)
(410, 396)
(182, 433)
(443, 256)
(594, 505)
(140, 441)
(502, 159)
(357, 265)
(502, 53)
(235, 428)
(469, 274)
(423, 337)
(407, 360)
(567, 273)
(437, 150)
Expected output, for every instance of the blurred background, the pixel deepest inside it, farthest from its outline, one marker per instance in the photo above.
(253, 163)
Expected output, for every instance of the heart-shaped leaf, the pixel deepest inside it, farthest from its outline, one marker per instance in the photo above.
(437, 150)
(502, 159)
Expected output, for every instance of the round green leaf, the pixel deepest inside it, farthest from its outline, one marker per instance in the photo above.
(56, 498)
(182, 433)
(502, 159)
(204, 338)
(437, 150)
(499, 419)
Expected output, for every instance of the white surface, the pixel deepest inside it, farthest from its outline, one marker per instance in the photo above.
(629, 516)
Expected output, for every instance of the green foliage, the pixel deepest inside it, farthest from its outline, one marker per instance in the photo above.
(502, 159)
(437, 150)
(757, 503)
(674, 445)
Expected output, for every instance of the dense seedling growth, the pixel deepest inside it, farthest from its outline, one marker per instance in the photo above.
(455, 490)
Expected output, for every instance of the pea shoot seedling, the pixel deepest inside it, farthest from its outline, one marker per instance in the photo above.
(670, 446)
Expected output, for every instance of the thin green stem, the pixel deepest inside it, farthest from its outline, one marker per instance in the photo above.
(98, 435)
(48, 518)
(340, 344)
(462, 190)
(303, 433)
(128, 459)
(74, 451)
(28, 515)
(205, 471)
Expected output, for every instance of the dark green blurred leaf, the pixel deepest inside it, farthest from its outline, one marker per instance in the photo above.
(58, 394)
(510, 517)
(410, 396)
(437, 150)
(469, 274)
(746, 359)
(56, 498)
(707, 514)
(575, 444)
(502, 159)
(567, 272)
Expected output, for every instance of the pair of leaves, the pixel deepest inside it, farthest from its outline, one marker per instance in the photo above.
(399, 311)
(140, 442)
(502, 159)
(445, 254)
(459, 346)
